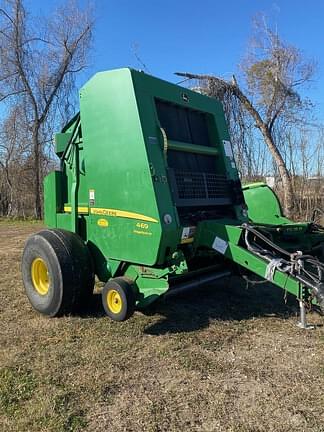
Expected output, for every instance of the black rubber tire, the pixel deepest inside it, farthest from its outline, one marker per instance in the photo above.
(69, 267)
(83, 260)
(128, 299)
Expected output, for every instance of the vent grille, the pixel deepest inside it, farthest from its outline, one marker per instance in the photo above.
(192, 188)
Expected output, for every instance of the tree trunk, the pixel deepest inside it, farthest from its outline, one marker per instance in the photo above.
(289, 199)
(10, 190)
(37, 173)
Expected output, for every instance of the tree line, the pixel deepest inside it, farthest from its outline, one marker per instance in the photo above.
(271, 120)
(40, 58)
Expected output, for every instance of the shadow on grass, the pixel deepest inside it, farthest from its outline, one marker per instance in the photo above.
(228, 300)
(93, 309)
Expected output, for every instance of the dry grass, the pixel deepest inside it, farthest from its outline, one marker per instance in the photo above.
(219, 359)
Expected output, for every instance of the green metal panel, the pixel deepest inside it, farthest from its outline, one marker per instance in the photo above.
(61, 141)
(53, 185)
(263, 205)
(63, 221)
(119, 182)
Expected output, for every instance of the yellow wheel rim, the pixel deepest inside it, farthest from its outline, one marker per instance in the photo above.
(114, 301)
(39, 274)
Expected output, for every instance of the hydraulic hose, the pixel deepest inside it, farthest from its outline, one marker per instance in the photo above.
(311, 276)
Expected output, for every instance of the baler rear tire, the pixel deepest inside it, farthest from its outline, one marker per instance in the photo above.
(118, 299)
(57, 272)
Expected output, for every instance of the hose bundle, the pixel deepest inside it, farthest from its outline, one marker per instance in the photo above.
(307, 269)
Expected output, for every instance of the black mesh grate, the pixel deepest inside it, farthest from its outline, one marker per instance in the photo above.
(198, 186)
(217, 186)
(190, 185)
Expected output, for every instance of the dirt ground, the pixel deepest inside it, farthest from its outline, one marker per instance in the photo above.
(224, 358)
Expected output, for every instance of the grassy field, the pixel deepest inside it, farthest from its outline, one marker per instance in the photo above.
(225, 358)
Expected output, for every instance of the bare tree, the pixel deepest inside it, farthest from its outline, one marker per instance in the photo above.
(39, 59)
(14, 149)
(272, 72)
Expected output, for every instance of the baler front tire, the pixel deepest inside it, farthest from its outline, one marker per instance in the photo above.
(118, 299)
(55, 269)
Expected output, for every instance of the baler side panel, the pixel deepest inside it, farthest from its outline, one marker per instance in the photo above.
(124, 222)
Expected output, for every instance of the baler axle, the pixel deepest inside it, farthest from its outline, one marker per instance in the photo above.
(196, 282)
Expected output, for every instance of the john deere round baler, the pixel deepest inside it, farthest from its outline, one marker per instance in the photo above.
(149, 200)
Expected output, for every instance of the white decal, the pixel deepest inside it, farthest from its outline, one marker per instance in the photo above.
(228, 148)
(188, 232)
(91, 197)
(220, 245)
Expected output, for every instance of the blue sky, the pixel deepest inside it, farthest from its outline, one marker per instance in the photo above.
(202, 37)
